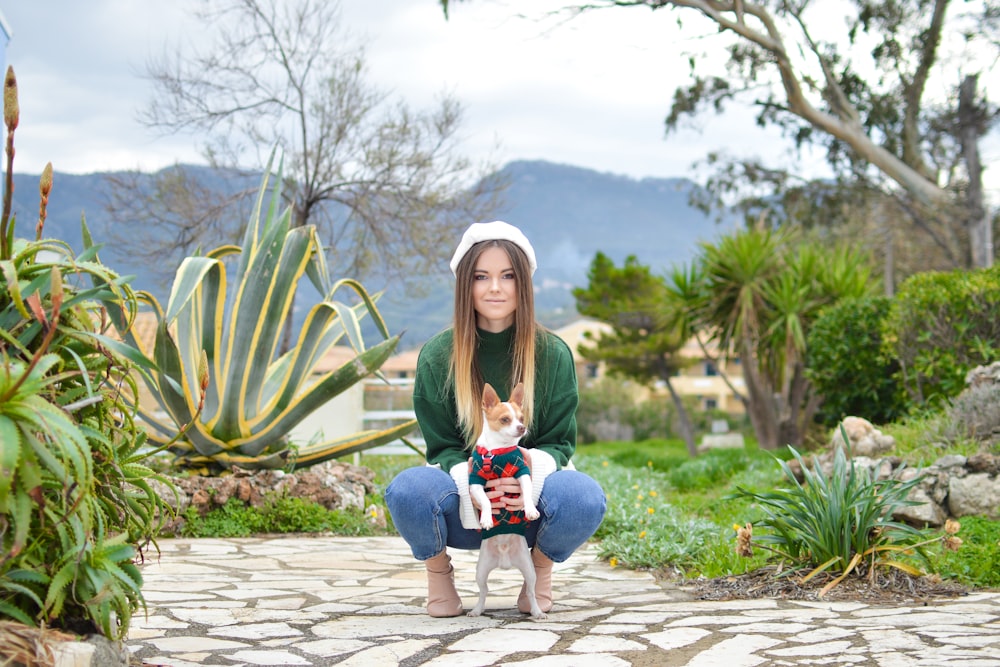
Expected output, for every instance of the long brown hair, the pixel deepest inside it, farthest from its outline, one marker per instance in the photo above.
(465, 371)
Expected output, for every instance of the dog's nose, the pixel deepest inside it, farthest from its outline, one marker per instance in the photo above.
(520, 429)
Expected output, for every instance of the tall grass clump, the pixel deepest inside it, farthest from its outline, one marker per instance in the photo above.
(838, 522)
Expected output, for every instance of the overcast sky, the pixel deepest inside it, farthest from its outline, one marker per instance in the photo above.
(592, 92)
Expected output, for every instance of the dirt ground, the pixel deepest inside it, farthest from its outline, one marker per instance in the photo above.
(889, 586)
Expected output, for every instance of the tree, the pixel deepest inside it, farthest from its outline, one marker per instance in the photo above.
(756, 293)
(381, 182)
(179, 210)
(861, 93)
(647, 330)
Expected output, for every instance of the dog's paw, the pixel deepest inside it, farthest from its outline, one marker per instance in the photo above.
(486, 521)
(540, 616)
(475, 611)
(531, 513)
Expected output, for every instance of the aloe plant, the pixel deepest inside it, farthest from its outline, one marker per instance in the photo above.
(76, 505)
(256, 393)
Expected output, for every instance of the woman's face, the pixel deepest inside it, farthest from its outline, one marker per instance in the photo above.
(494, 290)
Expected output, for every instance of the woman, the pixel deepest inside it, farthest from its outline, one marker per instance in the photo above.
(494, 339)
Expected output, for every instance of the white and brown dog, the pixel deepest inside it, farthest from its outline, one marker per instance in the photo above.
(498, 455)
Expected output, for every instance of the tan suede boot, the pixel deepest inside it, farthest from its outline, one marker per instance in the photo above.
(442, 598)
(543, 584)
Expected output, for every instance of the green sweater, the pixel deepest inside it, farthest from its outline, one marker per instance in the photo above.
(553, 429)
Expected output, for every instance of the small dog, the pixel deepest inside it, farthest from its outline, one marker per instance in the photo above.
(497, 455)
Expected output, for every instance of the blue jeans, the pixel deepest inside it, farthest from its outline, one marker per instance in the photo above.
(424, 505)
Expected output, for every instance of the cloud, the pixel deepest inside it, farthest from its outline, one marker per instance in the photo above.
(592, 91)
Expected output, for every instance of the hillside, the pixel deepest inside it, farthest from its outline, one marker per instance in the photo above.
(569, 213)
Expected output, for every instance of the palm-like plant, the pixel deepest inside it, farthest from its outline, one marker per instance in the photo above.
(757, 293)
(255, 394)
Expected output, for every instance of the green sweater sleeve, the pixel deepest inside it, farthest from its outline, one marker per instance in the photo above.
(434, 404)
(556, 400)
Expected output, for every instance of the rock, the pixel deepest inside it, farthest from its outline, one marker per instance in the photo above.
(721, 441)
(974, 494)
(983, 375)
(864, 438)
(927, 513)
(984, 462)
(91, 651)
(952, 461)
(334, 485)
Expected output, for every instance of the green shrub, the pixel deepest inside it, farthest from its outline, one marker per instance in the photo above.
(848, 366)
(714, 468)
(601, 414)
(941, 325)
(651, 418)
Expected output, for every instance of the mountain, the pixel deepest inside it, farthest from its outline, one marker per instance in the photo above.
(569, 214)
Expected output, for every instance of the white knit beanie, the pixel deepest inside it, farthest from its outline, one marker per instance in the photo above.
(492, 231)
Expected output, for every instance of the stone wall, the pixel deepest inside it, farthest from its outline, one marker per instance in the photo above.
(952, 487)
(333, 484)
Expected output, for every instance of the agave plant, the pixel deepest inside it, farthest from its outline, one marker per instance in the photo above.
(76, 506)
(255, 394)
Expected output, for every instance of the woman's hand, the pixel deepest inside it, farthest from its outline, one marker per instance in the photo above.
(505, 492)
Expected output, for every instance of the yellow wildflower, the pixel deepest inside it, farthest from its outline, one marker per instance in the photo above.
(642, 535)
(652, 494)
(649, 510)
(613, 562)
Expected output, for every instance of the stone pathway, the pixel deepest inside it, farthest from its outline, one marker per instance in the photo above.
(359, 601)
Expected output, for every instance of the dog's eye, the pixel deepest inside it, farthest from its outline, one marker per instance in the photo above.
(505, 420)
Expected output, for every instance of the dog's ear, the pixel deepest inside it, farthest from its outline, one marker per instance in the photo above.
(490, 397)
(517, 396)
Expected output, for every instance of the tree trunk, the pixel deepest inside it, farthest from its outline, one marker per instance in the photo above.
(687, 430)
(798, 411)
(970, 124)
(889, 260)
(760, 403)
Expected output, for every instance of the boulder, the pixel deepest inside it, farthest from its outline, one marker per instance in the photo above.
(864, 438)
(926, 513)
(983, 375)
(974, 494)
(720, 441)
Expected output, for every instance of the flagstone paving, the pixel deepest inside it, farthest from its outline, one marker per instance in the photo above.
(305, 600)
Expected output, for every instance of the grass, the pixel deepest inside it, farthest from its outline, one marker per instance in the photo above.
(666, 511)
(977, 562)
(920, 440)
